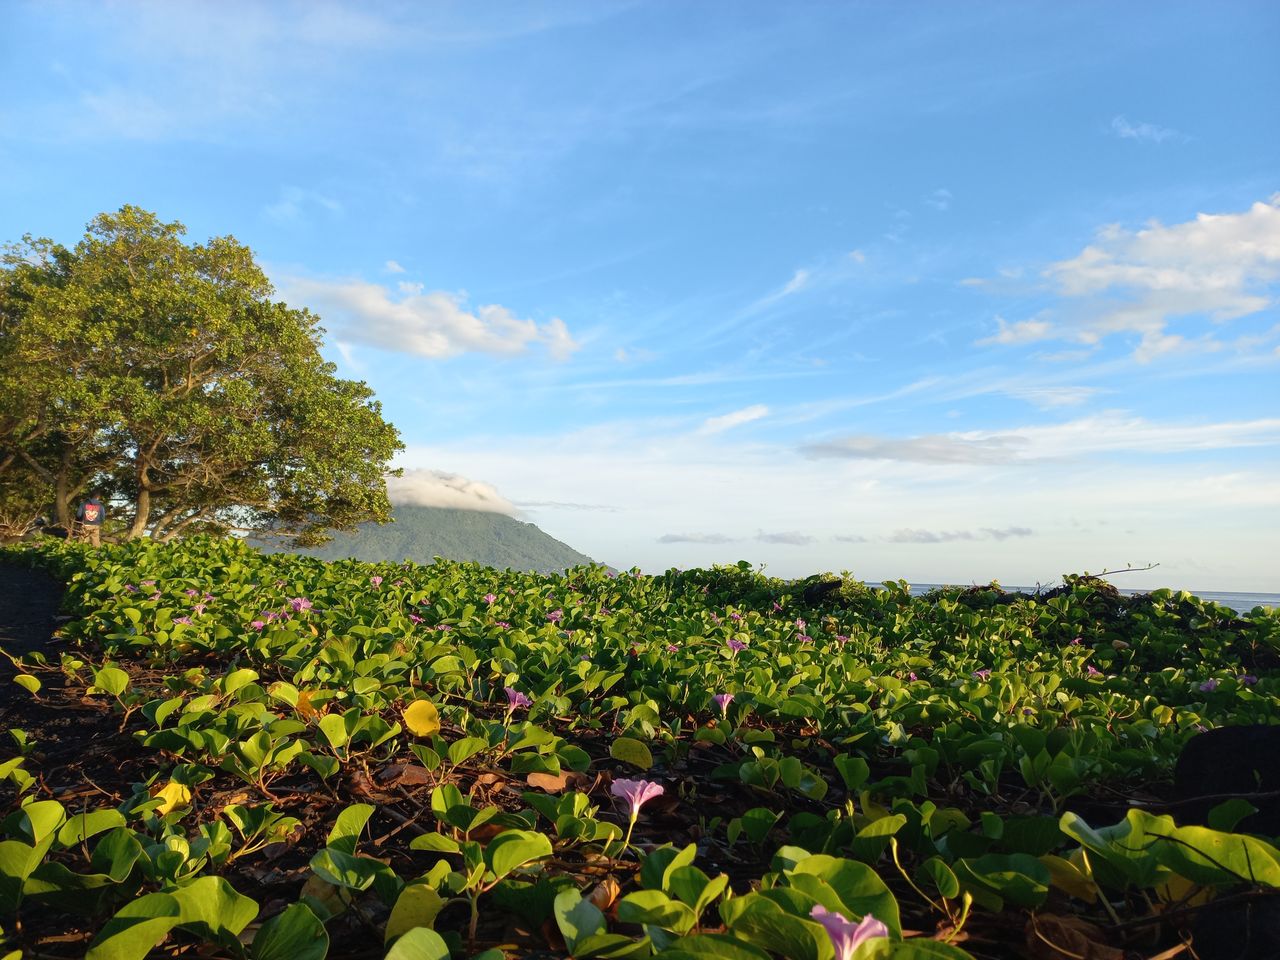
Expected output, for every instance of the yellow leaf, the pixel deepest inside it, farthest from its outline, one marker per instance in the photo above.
(175, 795)
(1070, 878)
(421, 718)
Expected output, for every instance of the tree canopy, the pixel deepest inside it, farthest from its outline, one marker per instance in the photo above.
(163, 374)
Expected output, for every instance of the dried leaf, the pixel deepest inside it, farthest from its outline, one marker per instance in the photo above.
(604, 893)
(550, 782)
(1052, 936)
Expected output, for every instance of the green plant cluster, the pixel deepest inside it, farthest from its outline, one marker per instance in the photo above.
(929, 762)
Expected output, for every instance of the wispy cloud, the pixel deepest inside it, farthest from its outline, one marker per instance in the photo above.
(849, 538)
(939, 200)
(912, 535)
(436, 324)
(790, 538)
(294, 203)
(1147, 132)
(1022, 331)
(736, 418)
(561, 505)
(711, 538)
(436, 488)
(1108, 432)
(392, 266)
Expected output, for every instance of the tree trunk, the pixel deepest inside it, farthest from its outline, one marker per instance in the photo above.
(142, 511)
(63, 491)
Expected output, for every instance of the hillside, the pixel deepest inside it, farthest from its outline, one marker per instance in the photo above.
(422, 533)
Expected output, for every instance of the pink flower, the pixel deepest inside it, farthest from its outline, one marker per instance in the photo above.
(847, 937)
(198, 609)
(735, 616)
(805, 638)
(555, 616)
(777, 607)
(842, 639)
(376, 580)
(672, 648)
(131, 588)
(912, 677)
(1092, 671)
(1077, 641)
(443, 627)
(516, 699)
(737, 646)
(503, 624)
(490, 598)
(191, 592)
(722, 701)
(183, 620)
(636, 792)
(800, 624)
(416, 619)
(258, 625)
(299, 604)
(984, 674)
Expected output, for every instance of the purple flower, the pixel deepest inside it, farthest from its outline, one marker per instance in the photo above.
(207, 596)
(1092, 671)
(584, 658)
(191, 592)
(516, 699)
(846, 937)
(397, 583)
(672, 648)
(148, 583)
(183, 620)
(443, 627)
(805, 638)
(801, 624)
(376, 580)
(198, 609)
(605, 611)
(416, 619)
(636, 792)
(777, 607)
(503, 624)
(258, 625)
(722, 701)
(1209, 686)
(735, 616)
(1247, 679)
(1027, 711)
(1077, 641)
(737, 646)
(555, 616)
(842, 639)
(155, 596)
(299, 604)
(982, 674)
(912, 677)
(490, 598)
(131, 588)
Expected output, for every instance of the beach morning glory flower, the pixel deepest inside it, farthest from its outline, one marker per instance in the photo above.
(191, 592)
(722, 701)
(672, 648)
(847, 937)
(805, 638)
(842, 639)
(376, 580)
(300, 604)
(801, 624)
(490, 598)
(1209, 686)
(636, 793)
(555, 616)
(982, 674)
(1092, 670)
(735, 616)
(1248, 679)
(183, 620)
(737, 646)
(258, 625)
(503, 624)
(415, 618)
(516, 699)
(198, 609)
(131, 588)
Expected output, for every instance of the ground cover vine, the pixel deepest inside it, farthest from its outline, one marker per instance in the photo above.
(345, 759)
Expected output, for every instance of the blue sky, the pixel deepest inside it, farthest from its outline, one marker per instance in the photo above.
(933, 291)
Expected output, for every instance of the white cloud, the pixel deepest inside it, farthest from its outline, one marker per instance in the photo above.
(915, 535)
(1222, 266)
(857, 256)
(1047, 398)
(940, 200)
(391, 266)
(434, 324)
(435, 488)
(937, 448)
(734, 419)
(1022, 331)
(1148, 132)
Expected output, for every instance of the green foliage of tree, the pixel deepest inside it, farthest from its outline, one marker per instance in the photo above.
(163, 373)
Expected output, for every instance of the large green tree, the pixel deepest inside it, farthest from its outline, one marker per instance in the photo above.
(164, 374)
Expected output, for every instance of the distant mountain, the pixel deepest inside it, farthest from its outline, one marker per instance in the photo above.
(423, 533)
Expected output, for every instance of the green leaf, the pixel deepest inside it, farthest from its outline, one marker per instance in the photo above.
(512, 849)
(136, 928)
(577, 918)
(858, 886)
(1226, 815)
(655, 908)
(419, 944)
(711, 946)
(295, 934)
(417, 906)
(632, 751)
(460, 751)
(28, 682)
(766, 925)
(110, 680)
(348, 826)
(212, 909)
(345, 870)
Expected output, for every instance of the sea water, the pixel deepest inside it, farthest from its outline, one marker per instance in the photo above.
(1239, 602)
